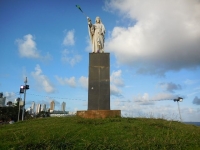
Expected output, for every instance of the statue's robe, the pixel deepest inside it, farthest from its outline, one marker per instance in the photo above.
(96, 33)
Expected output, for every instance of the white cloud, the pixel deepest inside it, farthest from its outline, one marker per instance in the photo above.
(42, 81)
(84, 82)
(10, 96)
(114, 90)
(145, 99)
(163, 96)
(27, 47)
(165, 37)
(190, 114)
(69, 38)
(116, 79)
(89, 45)
(116, 82)
(69, 57)
(67, 81)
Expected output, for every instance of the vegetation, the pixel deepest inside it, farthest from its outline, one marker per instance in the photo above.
(112, 133)
(10, 113)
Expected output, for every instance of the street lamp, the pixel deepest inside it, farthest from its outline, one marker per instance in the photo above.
(179, 99)
(25, 87)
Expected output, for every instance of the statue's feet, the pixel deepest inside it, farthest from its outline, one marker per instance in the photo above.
(102, 51)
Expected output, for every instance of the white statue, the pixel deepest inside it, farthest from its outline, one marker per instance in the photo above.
(96, 33)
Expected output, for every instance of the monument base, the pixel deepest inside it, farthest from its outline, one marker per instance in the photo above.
(99, 113)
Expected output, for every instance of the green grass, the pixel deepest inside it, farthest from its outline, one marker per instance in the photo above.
(99, 134)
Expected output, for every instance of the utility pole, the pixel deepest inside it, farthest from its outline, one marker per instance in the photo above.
(179, 111)
(19, 106)
(25, 82)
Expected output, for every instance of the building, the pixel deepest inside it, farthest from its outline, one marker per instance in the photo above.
(38, 108)
(43, 107)
(63, 105)
(33, 107)
(52, 106)
(2, 100)
(58, 113)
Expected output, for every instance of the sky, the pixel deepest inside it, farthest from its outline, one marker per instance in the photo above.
(154, 51)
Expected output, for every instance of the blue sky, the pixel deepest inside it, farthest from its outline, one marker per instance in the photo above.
(154, 51)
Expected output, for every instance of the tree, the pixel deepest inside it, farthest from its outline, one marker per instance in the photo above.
(9, 103)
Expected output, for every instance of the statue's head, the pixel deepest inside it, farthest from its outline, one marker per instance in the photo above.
(98, 20)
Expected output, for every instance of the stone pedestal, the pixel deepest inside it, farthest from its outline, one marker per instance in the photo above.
(99, 81)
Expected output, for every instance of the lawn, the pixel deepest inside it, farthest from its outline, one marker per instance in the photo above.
(111, 133)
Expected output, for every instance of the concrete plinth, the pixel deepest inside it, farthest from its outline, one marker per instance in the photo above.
(99, 81)
(99, 113)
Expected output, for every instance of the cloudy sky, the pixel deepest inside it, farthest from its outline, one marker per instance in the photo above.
(154, 51)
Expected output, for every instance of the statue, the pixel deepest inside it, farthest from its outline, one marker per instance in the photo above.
(96, 33)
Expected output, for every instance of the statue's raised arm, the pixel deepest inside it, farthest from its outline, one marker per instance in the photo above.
(96, 33)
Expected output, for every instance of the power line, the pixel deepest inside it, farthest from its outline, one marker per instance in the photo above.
(155, 100)
(53, 97)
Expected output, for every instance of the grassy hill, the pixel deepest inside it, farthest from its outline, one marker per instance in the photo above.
(111, 133)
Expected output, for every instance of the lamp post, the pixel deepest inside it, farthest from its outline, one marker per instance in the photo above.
(19, 106)
(179, 99)
(25, 88)
(21, 91)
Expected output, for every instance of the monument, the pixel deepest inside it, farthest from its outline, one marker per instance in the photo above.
(96, 33)
(99, 75)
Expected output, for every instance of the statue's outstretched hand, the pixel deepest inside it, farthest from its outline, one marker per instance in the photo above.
(88, 19)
